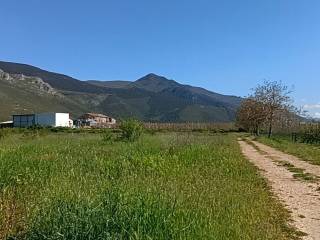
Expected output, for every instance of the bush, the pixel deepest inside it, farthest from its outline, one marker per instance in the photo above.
(59, 129)
(311, 134)
(35, 127)
(131, 129)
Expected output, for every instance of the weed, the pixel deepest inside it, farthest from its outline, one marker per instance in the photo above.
(299, 173)
(2, 134)
(108, 136)
(131, 129)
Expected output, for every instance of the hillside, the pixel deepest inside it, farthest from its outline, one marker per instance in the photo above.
(110, 84)
(56, 80)
(150, 98)
(21, 94)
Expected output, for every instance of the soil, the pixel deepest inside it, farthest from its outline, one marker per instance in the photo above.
(300, 196)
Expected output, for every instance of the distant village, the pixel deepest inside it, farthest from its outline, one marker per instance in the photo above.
(53, 119)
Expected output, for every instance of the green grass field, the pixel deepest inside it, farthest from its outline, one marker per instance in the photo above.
(307, 152)
(164, 186)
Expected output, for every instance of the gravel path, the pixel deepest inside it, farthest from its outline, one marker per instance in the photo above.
(310, 168)
(301, 197)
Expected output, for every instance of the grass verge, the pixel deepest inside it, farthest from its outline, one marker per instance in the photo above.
(307, 152)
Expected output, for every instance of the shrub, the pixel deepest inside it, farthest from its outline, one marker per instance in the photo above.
(311, 134)
(35, 127)
(131, 129)
(59, 129)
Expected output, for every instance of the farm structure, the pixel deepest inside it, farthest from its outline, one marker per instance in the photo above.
(7, 124)
(42, 119)
(95, 120)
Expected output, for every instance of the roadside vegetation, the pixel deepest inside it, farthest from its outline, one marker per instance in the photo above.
(269, 115)
(285, 143)
(84, 185)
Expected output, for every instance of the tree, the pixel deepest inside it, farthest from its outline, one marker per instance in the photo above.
(251, 115)
(269, 105)
(275, 98)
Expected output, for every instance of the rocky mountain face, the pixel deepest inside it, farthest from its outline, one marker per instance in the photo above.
(28, 83)
(150, 98)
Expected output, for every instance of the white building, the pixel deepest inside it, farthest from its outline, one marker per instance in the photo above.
(42, 119)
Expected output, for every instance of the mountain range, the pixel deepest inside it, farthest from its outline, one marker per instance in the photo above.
(25, 88)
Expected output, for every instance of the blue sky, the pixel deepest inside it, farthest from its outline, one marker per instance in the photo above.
(225, 46)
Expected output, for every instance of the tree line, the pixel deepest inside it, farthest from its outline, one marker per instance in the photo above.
(269, 105)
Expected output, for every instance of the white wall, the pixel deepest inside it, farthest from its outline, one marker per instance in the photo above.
(62, 120)
(53, 119)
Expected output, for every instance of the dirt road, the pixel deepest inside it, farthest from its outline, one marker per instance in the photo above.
(295, 182)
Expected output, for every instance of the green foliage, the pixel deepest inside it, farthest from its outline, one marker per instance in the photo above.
(35, 127)
(34, 131)
(2, 134)
(311, 134)
(112, 216)
(60, 129)
(166, 186)
(131, 129)
(108, 136)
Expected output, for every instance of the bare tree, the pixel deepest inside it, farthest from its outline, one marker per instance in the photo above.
(275, 98)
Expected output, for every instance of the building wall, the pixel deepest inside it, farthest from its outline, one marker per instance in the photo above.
(24, 120)
(46, 119)
(100, 119)
(97, 118)
(62, 120)
(112, 120)
(42, 119)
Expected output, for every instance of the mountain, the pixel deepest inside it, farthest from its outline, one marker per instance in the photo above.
(24, 88)
(110, 84)
(58, 81)
(154, 83)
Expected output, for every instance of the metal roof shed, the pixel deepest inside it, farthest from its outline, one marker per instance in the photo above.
(42, 119)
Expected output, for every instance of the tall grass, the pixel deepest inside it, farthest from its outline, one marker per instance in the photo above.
(308, 152)
(163, 186)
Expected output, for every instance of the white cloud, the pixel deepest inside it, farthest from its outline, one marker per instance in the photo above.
(312, 106)
(312, 109)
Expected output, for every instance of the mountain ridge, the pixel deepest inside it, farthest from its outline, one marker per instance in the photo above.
(150, 98)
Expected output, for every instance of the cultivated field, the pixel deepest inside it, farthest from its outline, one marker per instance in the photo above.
(163, 186)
